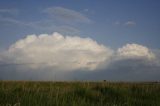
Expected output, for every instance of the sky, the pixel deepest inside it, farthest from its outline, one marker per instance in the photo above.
(80, 40)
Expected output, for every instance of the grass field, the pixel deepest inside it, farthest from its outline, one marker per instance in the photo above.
(23, 93)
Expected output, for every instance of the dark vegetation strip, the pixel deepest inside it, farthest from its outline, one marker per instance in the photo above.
(43, 93)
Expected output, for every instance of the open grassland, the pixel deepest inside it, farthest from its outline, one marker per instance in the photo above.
(23, 93)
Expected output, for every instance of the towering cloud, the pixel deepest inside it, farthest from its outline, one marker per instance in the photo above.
(45, 56)
(134, 51)
(58, 52)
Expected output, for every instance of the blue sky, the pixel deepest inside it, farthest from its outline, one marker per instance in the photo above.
(108, 20)
(80, 39)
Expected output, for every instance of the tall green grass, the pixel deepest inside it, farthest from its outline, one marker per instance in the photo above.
(21, 93)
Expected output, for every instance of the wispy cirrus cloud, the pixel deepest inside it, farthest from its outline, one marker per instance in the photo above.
(130, 23)
(127, 23)
(9, 20)
(63, 15)
(9, 11)
(43, 25)
(66, 15)
(51, 26)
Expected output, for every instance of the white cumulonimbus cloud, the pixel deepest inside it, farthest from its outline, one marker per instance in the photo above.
(68, 53)
(58, 52)
(67, 57)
